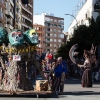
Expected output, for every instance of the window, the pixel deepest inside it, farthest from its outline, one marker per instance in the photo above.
(62, 35)
(50, 45)
(59, 30)
(55, 45)
(51, 35)
(51, 19)
(39, 45)
(54, 30)
(55, 50)
(48, 34)
(55, 20)
(47, 44)
(59, 35)
(48, 39)
(81, 21)
(55, 35)
(51, 24)
(55, 25)
(51, 30)
(47, 19)
(37, 28)
(55, 40)
(51, 39)
(87, 14)
(51, 50)
(59, 26)
(59, 40)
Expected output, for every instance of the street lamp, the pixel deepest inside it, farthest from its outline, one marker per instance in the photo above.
(74, 17)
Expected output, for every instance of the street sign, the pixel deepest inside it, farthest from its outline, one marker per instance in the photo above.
(16, 58)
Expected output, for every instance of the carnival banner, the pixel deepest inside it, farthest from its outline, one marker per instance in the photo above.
(20, 50)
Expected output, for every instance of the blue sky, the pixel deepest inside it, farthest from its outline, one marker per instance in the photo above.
(58, 8)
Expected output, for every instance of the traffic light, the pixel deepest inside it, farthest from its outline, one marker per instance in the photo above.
(24, 1)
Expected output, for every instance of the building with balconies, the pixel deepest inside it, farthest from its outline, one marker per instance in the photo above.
(88, 9)
(40, 29)
(14, 14)
(54, 27)
(9, 14)
(23, 15)
(2, 15)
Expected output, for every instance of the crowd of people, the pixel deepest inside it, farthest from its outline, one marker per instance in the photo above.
(56, 70)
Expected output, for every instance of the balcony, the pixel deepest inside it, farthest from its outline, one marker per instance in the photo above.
(1, 15)
(31, 2)
(2, 3)
(97, 6)
(11, 1)
(8, 26)
(8, 21)
(5, 25)
(9, 14)
(1, 25)
(29, 18)
(27, 10)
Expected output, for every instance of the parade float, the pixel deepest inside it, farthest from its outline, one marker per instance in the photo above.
(17, 54)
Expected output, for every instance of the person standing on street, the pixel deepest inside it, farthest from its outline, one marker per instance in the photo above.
(87, 74)
(58, 70)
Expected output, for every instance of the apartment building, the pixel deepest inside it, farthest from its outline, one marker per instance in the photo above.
(6, 14)
(88, 9)
(54, 27)
(16, 14)
(23, 15)
(2, 15)
(40, 29)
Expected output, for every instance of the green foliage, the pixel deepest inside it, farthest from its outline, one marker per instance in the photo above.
(84, 36)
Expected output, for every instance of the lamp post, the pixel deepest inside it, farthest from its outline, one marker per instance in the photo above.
(74, 17)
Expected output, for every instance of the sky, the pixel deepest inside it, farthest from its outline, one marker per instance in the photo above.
(58, 7)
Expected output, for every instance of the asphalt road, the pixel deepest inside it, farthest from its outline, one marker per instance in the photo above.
(72, 91)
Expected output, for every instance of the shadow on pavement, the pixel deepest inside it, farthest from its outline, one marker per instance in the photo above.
(76, 81)
(77, 93)
(30, 96)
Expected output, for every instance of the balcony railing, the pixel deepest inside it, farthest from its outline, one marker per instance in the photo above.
(29, 18)
(97, 6)
(31, 2)
(1, 25)
(1, 14)
(8, 13)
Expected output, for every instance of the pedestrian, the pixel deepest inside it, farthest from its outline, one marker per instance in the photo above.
(51, 74)
(58, 70)
(87, 74)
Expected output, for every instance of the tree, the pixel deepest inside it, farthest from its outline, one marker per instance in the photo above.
(84, 36)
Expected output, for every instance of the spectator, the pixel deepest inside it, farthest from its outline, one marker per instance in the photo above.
(58, 70)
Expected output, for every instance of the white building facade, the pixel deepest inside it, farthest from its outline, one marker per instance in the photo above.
(86, 11)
